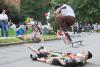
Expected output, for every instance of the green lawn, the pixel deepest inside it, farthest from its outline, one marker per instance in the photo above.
(16, 39)
(12, 37)
(48, 37)
(10, 40)
(11, 33)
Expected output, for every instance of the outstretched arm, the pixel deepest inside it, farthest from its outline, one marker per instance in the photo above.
(34, 50)
(61, 7)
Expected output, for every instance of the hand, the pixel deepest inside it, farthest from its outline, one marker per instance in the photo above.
(55, 13)
(58, 58)
(26, 45)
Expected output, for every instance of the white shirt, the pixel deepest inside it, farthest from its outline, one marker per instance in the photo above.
(3, 17)
(68, 11)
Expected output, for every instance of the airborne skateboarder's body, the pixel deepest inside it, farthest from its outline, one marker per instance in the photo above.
(65, 17)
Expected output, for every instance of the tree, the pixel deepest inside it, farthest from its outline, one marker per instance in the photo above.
(2, 5)
(10, 11)
(35, 8)
(85, 10)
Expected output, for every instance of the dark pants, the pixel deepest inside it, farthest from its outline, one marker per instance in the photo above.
(42, 55)
(4, 28)
(65, 22)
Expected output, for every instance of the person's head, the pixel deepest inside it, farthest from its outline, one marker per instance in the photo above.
(64, 54)
(3, 11)
(36, 29)
(60, 28)
(89, 55)
(57, 6)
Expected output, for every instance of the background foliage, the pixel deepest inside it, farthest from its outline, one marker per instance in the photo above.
(35, 9)
(85, 10)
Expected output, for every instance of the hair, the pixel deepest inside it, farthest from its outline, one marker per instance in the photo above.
(1, 10)
(71, 64)
(89, 55)
(42, 47)
(57, 6)
(37, 28)
(56, 62)
(68, 64)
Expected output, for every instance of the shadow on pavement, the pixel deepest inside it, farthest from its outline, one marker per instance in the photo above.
(91, 65)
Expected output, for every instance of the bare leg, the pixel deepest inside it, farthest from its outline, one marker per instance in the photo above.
(68, 36)
(41, 60)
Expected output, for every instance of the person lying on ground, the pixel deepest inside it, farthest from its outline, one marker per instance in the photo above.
(61, 57)
(43, 52)
(66, 58)
(55, 60)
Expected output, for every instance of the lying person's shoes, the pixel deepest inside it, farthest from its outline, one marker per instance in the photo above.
(33, 58)
(42, 47)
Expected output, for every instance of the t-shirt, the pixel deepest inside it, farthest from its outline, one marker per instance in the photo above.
(3, 17)
(67, 11)
(78, 57)
(67, 60)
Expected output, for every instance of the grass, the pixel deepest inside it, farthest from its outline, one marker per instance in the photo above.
(9, 40)
(16, 39)
(49, 37)
(12, 37)
(11, 33)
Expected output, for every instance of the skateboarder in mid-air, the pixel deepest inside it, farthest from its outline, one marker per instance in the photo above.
(65, 17)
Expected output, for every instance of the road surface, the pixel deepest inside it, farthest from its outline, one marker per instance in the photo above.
(18, 55)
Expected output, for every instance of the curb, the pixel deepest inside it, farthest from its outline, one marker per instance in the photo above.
(8, 44)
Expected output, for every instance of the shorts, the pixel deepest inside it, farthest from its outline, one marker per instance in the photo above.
(45, 55)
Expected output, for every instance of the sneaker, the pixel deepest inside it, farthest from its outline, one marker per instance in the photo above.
(33, 58)
(42, 47)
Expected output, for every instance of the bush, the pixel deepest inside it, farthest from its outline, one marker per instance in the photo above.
(54, 24)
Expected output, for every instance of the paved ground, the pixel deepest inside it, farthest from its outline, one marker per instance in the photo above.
(18, 55)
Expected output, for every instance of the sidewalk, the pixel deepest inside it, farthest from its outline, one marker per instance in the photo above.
(16, 43)
(22, 42)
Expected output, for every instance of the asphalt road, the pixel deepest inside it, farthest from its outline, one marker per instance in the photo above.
(18, 55)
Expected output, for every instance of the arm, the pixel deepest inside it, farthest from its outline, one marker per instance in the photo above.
(57, 34)
(59, 9)
(6, 18)
(34, 50)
